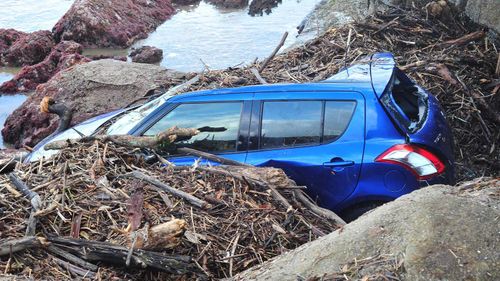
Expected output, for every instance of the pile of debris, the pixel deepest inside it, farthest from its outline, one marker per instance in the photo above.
(452, 58)
(96, 204)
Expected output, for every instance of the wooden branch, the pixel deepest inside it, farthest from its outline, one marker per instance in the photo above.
(75, 270)
(211, 157)
(35, 201)
(85, 252)
(256, 73)
(281, 43)
(72, 258)
(168, 136)
(96, 251)
(10, 246)
(317, 209)
(186, 196)
(465, 39)
(48, 105)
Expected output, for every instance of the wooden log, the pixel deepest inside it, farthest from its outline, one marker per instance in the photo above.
(96, 251)
(465, 39)
(186, 196)
(165, 235)
(317, 209)
(10, 246)
(48, 105)
(168, 136)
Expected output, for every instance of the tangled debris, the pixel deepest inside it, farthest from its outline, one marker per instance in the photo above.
(453, 59)
(91, 204)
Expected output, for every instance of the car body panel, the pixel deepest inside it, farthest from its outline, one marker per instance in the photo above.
(372, 130)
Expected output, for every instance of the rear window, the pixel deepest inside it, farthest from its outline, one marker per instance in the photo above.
(406, 103)
(291, 123)
(298, 123)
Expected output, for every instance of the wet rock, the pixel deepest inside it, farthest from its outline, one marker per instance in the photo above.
(259, 7)
(230, 4)
(112, 23)
(147, 54)
(29, 49)
(438, 233)
(7, 38)
(102, 57)
(90, 89)
(185, 2)
(63, 55)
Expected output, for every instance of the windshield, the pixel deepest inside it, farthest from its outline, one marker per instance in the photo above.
(130, 119)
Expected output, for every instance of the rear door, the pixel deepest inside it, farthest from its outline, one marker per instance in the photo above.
(220, 119)
(316, 138)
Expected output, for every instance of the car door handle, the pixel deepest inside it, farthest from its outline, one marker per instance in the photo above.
(338, 164)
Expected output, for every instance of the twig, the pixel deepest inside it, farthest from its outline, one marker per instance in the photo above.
(257, 75)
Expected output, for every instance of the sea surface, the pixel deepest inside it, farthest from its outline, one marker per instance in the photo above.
(196, 37)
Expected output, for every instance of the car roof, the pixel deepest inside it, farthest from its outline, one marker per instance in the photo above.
(362, 87)
(368, 76)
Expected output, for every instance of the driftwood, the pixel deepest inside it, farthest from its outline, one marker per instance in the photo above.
(86, 252)
(48, 105)
(186, 196)
(211, 157)
(275, 51)
(465, 39)
(304, 199)
(168, 136)
(35, 201)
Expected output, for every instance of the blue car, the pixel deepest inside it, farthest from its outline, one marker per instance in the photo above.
(365, 136)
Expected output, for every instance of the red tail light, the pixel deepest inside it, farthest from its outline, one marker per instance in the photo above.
(423, 163)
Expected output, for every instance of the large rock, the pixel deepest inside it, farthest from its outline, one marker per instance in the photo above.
(19, 48)
(229, 4)
(147, 54)
(63, 55)
(437, 233)
(486, 12)
(111, 23)
(90, 89)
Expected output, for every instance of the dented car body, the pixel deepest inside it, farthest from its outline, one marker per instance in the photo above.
(365, 136)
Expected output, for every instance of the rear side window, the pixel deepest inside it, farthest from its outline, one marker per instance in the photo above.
(296, 123)
(337, 116)
(291, 123)
(218, 123)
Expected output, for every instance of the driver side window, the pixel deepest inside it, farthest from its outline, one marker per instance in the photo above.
(218, 124)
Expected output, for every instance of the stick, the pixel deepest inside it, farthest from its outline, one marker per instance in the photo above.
(72, 258)
(317, 209)
(465, 39)
(257, 75)
(211, 157)
(168, 136)
(10, 246)
(186, 196)
(35, 200)
(75, 269)
(266, 61)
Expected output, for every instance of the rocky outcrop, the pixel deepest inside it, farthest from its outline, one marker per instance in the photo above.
(230, 4)
(185, 2)
(436, 233)
(90, 89)
(64, 55)
(112, 23)
(20, 49)
(146, 54)
(259, 7)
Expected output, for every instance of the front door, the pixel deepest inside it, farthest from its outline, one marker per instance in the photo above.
(317, 139)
